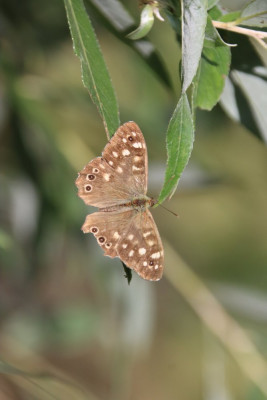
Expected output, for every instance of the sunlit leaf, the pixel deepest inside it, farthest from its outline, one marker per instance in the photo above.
(213, 69)
(194, 18)
(180, 137)
(94, 71)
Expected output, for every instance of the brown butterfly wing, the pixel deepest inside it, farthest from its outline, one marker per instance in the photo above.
(130, 235)
(108, 228)
(141, 247)
(120, 174)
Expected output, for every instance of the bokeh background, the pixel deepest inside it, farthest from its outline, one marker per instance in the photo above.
(71, 327)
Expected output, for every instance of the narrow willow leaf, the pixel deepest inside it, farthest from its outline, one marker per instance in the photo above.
(146, 23)
(180, 137)
(230, 17)
(194, 18)
(94, 71)
(261, 48)
(212, 71)
(244, 99)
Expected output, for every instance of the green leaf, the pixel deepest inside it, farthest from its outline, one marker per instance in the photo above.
(94, 71)
(230, 17)
(194, 18)
(254, 14)
(180, 137)
(215, 13)
(213, 69)
(146, 23)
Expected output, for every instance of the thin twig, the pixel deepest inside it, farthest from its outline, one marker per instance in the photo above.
(243, 31)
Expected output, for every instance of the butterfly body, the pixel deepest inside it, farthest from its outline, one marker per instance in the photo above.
(138, 204)
(116, 183)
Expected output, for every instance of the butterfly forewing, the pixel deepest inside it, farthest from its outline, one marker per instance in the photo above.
(117, 184)
(120, 174)
(127, 154)
(100, 186)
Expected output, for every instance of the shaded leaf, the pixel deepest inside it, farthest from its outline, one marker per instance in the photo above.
(94, 71)
(244, 99)
(255, 14)
(194, 18)
(118, 20)
(261, 48)
(180, 137)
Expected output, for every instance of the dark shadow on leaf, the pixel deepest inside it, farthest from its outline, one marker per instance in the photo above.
(208, 60)
(246, 116)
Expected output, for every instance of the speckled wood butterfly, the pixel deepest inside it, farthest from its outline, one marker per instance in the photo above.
(116, 183)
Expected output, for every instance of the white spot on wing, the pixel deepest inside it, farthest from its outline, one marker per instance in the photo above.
(110, 162)
(131, 253)
(106, 177)
(116, 235)
(137, 145)
(146, 234)
(150, 242)
(142, 251)
(115, 154)
(155, 255)
(124, 245)
(134, 168)
(130, 237)
(119, 169)
(144, 263)
(125, 152)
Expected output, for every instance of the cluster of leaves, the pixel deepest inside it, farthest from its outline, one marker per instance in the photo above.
(205, 65)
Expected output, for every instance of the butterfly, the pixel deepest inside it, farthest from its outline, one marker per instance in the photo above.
(116, 183)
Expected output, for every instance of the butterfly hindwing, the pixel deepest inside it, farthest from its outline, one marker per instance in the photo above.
(130, 235)
(108, 228)
(141, 247)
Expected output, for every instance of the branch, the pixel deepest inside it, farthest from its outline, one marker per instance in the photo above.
(243, 31)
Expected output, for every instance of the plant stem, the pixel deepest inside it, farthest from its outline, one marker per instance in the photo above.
(243, 31)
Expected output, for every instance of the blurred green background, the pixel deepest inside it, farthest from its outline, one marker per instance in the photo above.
(67, 312)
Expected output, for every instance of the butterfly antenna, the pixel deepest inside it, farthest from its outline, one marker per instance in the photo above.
(165, 208)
